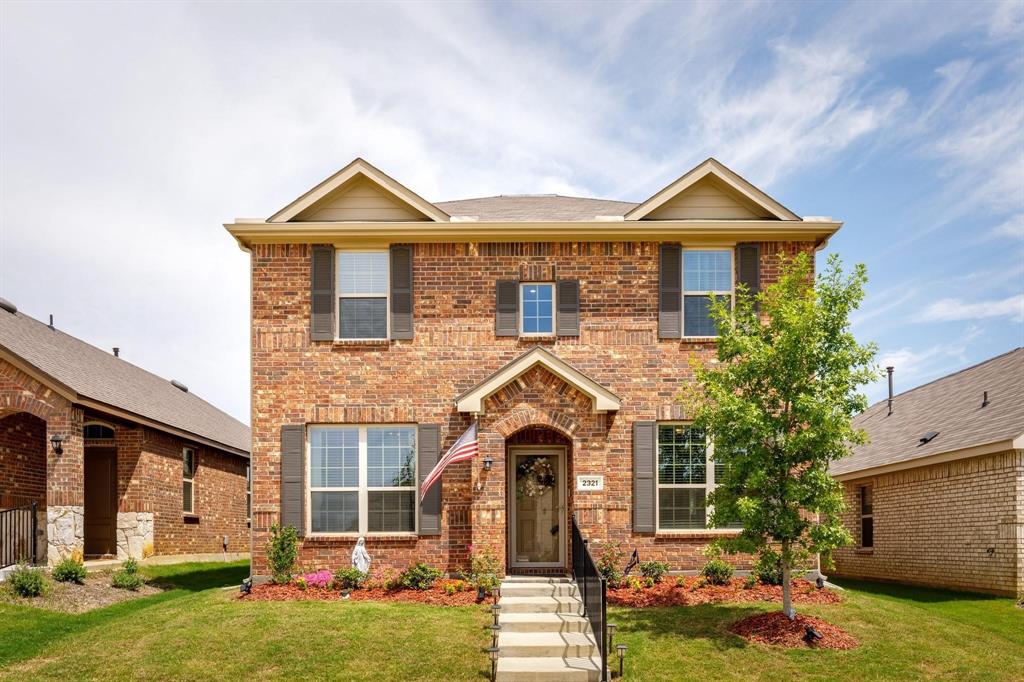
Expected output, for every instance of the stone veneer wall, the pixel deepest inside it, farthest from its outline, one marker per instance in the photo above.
(957, 525)
(65, 532)
(299, 381)
(134, 535)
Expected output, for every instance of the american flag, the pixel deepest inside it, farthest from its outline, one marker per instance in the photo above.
(464, 448)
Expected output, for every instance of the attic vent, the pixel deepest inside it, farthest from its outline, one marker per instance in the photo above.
(8, 306)
(927, 437)
(178, 385)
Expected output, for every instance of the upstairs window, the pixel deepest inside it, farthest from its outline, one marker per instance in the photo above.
(537, 316)
(189, 464)
(867, 518)
(706, 273)
(362, 294)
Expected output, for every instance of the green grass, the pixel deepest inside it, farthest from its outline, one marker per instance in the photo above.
(905, 633)
(196, 630)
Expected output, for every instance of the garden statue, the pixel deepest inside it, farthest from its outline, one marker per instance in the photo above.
(360, 558)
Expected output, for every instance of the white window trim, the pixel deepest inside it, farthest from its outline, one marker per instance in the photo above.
(554, 309)
(707, 487)
(362, 489)
(248, 492)
(338, 296)
(682, 284)
(862, 515)
(191, 480)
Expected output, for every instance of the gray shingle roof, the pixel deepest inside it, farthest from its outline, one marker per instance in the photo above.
(97, 375)
(535, 207)
(952, 407)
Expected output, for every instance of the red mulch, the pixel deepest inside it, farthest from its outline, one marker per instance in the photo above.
(436, 595)
(775, 628)
(667, 593)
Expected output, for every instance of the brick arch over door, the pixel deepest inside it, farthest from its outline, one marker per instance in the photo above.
(14, 402)
(523, 418)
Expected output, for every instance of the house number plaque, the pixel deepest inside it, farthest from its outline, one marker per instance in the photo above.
(588, 483)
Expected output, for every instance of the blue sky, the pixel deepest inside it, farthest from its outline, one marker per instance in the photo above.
(131, 132)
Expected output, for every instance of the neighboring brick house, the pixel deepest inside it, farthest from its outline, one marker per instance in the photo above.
(120, 462)
(383, 325)
(937, 495)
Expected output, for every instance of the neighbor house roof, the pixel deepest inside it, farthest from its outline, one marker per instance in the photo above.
(97, 379)
(953, 408)
(360, 204)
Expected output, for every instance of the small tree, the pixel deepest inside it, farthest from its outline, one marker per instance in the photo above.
(778, 407)
(282, 551)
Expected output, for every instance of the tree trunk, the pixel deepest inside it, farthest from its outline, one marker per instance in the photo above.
(787, 587)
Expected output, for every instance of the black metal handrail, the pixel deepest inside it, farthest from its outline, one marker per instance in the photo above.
(592, 588)
(18, 529)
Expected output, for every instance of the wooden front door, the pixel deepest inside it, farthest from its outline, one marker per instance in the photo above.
(100, 501)
(537, 518)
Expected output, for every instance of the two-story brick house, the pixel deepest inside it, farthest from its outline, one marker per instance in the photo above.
(384, 325)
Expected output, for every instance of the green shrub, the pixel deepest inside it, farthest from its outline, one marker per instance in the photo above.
(483, 572)
(450, 589)
(717, 572)
(608, 564)
(635, 583)
(768, 568)
(130, 566)
(655, 570)
(69, 571)
(27, 581)
(282, 551)
(419, 577)
(127, 578)
(749, 582)
(349, 578)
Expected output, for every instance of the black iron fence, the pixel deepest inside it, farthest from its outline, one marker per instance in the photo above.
(18, 531)
(592, 591)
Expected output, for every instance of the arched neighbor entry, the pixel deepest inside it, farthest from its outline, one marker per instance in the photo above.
(538, 499)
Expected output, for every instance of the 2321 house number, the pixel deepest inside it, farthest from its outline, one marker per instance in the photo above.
(587, 483)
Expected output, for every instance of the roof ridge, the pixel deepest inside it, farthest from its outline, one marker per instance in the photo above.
(560, 196)
(944, 377)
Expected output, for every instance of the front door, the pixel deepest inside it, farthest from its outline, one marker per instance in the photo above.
(537, 519)
(100, 501)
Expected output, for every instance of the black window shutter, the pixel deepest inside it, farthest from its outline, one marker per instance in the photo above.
(568, 317)
(401, 292)
(644, 492)
(506, 310)
(428, 449)
(321, 319)
(293, 479)
(748, 266)
(670, 298)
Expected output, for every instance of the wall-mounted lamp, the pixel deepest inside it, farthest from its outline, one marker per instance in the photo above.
(55, 441)
(488, 463)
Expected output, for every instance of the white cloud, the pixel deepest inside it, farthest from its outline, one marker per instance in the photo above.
(1013, 228)
(949, 309)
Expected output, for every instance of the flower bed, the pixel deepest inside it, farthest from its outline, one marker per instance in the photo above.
(442, 593)
(776, 629)
(695, 591)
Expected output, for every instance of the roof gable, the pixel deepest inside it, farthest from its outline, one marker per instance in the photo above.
(711, 192)
(602, 399)
(359, 192)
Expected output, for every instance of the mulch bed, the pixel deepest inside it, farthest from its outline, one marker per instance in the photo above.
(693, 592)
(776, 629)
(71, 598)
(291, 592)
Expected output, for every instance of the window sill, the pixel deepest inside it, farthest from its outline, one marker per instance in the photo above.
(696, 533)
(189, 517)
(352, 537)
(699, 339)
(361, 342)
(538, 337)
(864, 550)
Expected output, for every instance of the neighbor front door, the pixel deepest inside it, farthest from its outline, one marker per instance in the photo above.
(537, 519)
(100, 501)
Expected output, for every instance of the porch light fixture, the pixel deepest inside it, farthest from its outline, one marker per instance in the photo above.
(488, 463)
(55, 441)
(620, 649)
(492, 653)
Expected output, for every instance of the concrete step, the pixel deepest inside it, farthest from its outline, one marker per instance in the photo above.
(540, 605)
(537, 579)
(542, 622)
(545, 644)
(553, 668)
(538, 589)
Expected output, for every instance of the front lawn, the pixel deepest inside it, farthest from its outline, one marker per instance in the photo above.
(197, 630)
(904, 633)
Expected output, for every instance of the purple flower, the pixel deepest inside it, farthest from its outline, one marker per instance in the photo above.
(322, 578)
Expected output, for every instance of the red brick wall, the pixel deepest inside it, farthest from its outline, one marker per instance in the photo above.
(219, 497)
(22, 460)
(296, 381)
